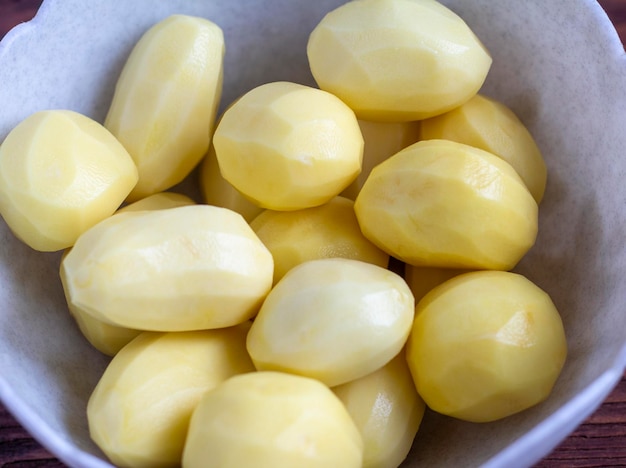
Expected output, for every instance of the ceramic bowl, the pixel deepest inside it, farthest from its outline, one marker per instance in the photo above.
(559, 65)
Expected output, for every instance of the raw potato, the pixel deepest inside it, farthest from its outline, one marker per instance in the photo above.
(103, 336)
(286, 146)
(397, 60)
(165, 102)
(422, 279)
(219, 192)
(333, 319)
(272, 420)
(61, 173)
(440, 203)
(326, 231)
(185, 268)
(486, 345)
(490, 125)
(387, 410)
(139, 412)
(382, 140)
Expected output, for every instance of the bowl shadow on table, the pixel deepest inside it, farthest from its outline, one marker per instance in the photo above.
(566, 264)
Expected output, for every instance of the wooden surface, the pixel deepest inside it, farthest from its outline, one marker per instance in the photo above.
(599, 442)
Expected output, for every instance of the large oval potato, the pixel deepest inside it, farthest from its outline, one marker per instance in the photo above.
(166, 99)
(61, 173)
(270, 420)
(184, 268)
(139, 412)
(439, 203)
(333, 319)
(397, 60)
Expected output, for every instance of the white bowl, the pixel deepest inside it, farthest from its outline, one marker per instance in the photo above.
(558, 64)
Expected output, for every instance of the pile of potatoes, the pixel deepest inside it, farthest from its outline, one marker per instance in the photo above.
(349, 265)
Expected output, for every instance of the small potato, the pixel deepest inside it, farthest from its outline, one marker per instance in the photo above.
(326, 231)
(286, 146)
(272, 420)
(439, 203)
(166, 99)
(486, 345)
(139, 412)
(61, 173)
(185, 268)
(387, 410)
(333, 319)
(219, 192)
(490, 125)
(397, 60)
(158, 201)
(382, 140)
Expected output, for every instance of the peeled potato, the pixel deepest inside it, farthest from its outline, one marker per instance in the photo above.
(486, 345)
(269, 420)
(422, 279)
(158, 201)
(219, 192)
(388, 411)
(326, 231)
(397, 60)
(185, 268)
(61, 173)
(286, 146)
(165, 102)
(332, 319)
(139, 412)
(490, 125)
(382, 140)
(440, 203)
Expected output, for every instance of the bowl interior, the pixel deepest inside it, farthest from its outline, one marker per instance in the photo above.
(559, 65)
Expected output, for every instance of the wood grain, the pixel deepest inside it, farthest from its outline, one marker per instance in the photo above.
(599, 442)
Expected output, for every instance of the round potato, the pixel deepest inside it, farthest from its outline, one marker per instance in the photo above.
(397, 60)
(486, 345)
(269, 420)
(332, 319)
(286, 146)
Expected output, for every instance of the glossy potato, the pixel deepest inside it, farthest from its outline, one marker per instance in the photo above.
(269, 420)
(185, 268)
(397, 60)
(388, 411)
(486, 345)
(440, 203)
(166, 99)
(286, 146)
(327, 231)
(140, 409)
(60, 174)
(490, 125)
(333, 319)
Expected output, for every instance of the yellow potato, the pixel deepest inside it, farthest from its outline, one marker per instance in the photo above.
(61, 173)
(333, 319)
(382, 140)
(286, 146)
(490, 125)
(219, 192)
(158, 201)
(440, 203)
(272, 420)
(166, 99)
(103, 336)
(422, 279)
(185, 268)
(486, 345)
(326, 231)
(397, 60)
(139, 412)
(387, 410)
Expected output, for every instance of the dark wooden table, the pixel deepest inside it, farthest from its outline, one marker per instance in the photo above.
(599, 442)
